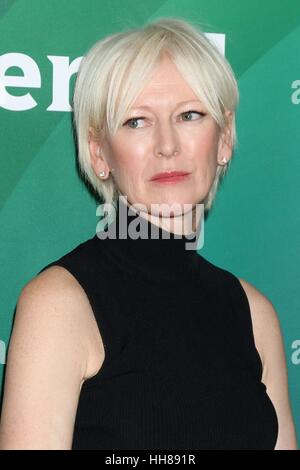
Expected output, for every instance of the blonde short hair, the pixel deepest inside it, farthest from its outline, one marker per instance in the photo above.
(115, 70)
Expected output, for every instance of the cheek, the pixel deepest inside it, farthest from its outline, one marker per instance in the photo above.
(204, 145)
(203, 149)
(128, 159)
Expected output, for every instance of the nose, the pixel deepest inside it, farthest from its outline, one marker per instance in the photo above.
(167, 142)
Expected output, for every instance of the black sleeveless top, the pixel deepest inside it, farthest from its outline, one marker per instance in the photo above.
(181, 370)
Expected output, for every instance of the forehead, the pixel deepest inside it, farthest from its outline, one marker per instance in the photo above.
(166, 82)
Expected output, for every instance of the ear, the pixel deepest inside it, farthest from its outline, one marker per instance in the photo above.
(225, 140)
(98, 161)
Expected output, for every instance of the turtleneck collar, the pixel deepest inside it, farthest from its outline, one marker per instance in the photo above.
(159, 255)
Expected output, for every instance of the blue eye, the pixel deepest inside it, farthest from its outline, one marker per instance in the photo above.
(132, 120)
(193, 112)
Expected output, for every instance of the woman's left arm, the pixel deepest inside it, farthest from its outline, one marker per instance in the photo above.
(269, 343)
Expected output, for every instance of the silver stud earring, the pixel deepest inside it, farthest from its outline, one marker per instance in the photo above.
(102, 174)
(224, 160)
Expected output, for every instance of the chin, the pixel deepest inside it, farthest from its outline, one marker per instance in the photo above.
(171, 207)
(183, 202)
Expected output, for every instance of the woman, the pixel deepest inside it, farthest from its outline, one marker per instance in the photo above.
(141, 343)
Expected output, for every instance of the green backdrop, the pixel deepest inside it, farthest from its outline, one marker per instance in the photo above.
(45, 209)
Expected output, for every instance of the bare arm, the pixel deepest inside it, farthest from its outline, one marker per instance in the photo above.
(269, 342)
(46, 364)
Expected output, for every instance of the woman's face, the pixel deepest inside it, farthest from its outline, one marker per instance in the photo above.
(166, 117)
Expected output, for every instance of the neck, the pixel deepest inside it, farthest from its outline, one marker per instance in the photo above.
(145, 248)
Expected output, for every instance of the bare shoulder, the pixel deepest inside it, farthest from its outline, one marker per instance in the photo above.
(47, 362)
(51, 301)
(269, 343)
(56, 295)
(80, 314)
(264, 317)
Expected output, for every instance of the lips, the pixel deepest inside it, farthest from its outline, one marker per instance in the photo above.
(170, 174)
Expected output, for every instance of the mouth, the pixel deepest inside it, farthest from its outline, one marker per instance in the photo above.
(171, 177)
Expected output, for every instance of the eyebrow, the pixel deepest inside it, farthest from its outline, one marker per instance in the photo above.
(177, 105)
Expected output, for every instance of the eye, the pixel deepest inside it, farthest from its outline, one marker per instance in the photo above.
(140, 118)
(187, 113)
(133, 120)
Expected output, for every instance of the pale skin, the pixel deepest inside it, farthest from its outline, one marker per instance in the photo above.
(167, 127)
(56, 344)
